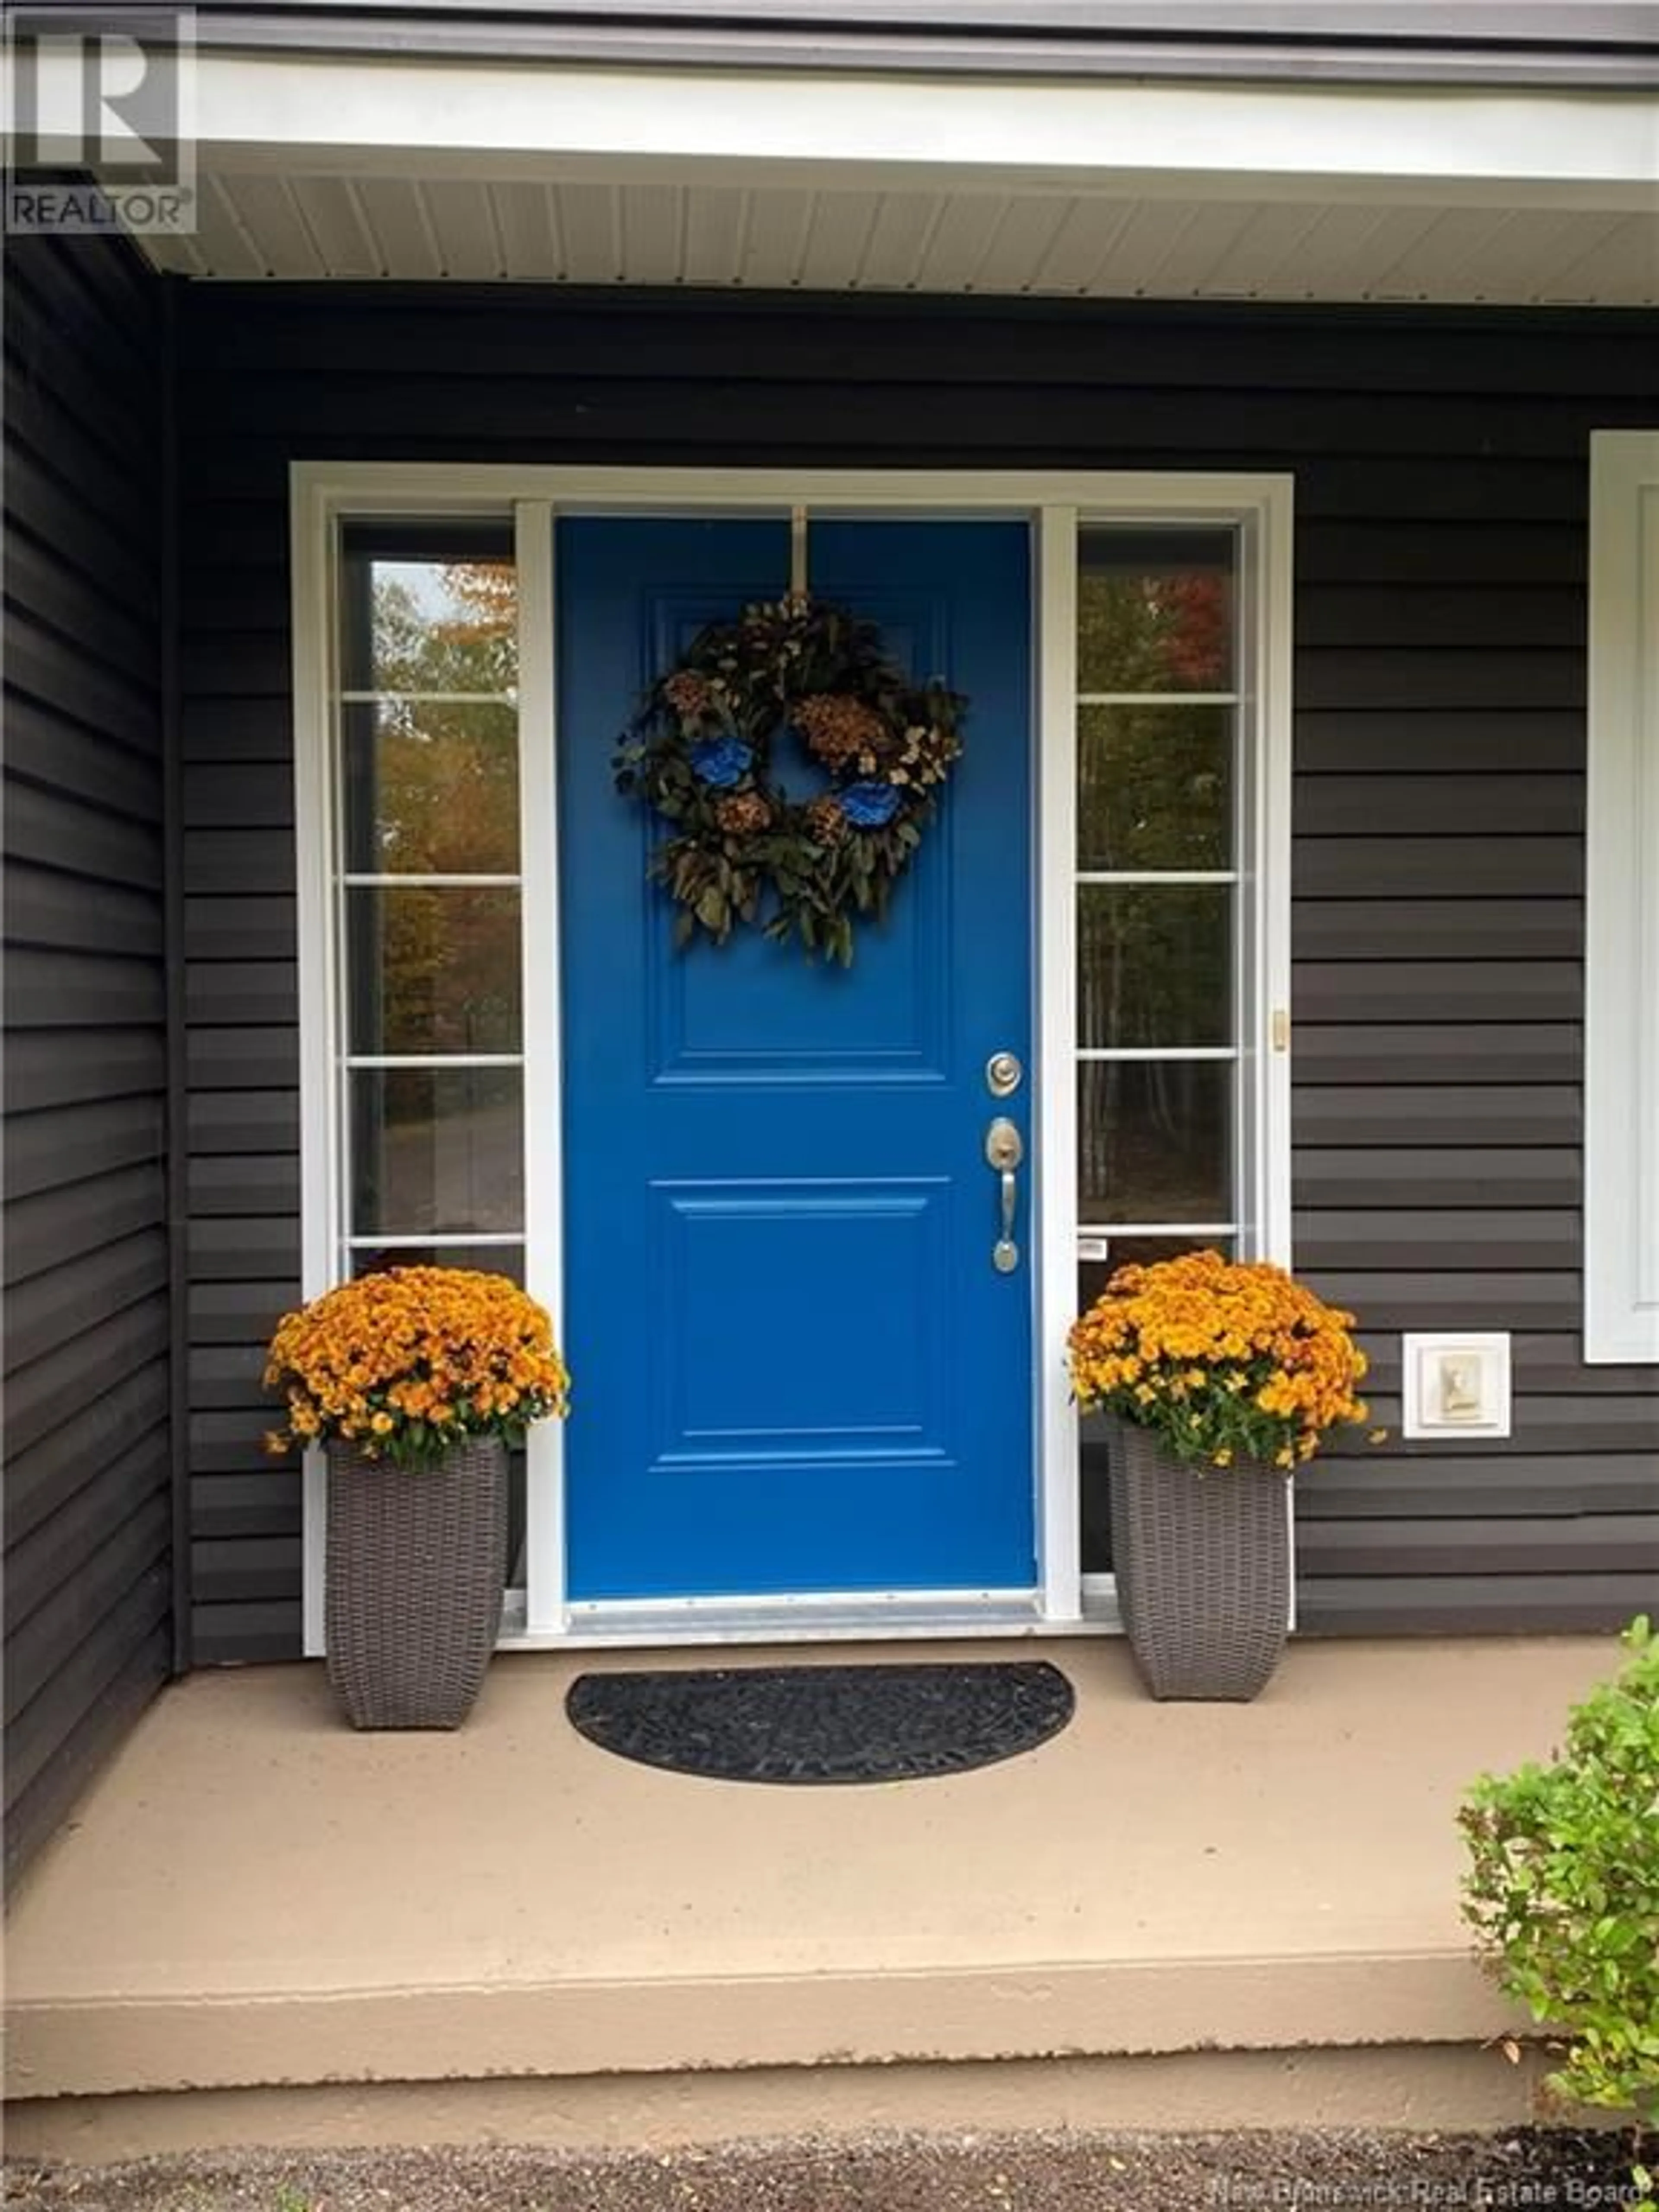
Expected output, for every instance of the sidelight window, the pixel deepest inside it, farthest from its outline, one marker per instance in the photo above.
(1178, 1005)
(429, 1028)
(1156, 890)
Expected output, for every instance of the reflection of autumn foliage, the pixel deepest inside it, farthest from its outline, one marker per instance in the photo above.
(446, 793)
(1155, 960)
(449, 970)
(1154, 629)
(435, 790)
(1191, 613)
(456, 631)
(488, 590)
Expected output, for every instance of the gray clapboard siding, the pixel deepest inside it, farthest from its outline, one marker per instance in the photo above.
(256, 1506)
(1559, 1601)
(1430, 1115)
(241, 1630)
(1423, 1176)
(1453, 1484)
(1482, 1543)
(88, 1481)
(1364, 1060)
(1433, 745)
(45, 746)
(45, 1150)
(228, 1376)
(1441, 485)
(1457, 929)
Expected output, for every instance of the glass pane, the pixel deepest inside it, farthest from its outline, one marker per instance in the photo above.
(1155, 788)
(1155, 964)
(1096, 1500)
(428, 608)
(432, 970)
(486, 1259)
(1154, 1139)
(439, 1149)
(431, 788)
(1155, 611)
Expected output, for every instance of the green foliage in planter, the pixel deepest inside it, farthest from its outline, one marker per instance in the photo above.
(1563, 1887)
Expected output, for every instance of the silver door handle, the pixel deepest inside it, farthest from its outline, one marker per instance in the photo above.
(1005, 1148)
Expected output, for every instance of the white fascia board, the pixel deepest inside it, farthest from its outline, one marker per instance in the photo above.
(495, 123)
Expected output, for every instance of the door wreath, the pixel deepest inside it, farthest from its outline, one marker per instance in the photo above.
(700, 752)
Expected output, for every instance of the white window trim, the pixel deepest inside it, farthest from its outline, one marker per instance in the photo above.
(1621, 921)
(322, 494)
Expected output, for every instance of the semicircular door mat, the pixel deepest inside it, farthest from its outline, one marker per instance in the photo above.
(824, 1724)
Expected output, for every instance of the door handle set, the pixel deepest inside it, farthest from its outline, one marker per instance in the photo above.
(1005, 1149)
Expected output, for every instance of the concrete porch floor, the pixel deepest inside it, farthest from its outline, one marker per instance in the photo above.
(1173, 1914)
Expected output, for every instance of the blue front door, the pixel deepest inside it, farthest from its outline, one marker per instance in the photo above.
(798, 1370)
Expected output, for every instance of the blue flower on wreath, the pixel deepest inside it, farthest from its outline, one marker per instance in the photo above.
(869, 805)
(721, 762)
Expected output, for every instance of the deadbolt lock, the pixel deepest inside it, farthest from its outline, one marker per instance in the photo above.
(1003, 1074)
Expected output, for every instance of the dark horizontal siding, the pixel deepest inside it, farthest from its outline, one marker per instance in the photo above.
(1441, 475)
(88, 1476)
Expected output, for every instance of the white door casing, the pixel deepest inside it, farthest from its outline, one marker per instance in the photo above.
(1260, 507)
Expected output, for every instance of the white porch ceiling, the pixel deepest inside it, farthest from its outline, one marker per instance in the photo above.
(998, 242)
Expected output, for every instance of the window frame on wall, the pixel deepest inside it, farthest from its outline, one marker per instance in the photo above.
(1258, 508)
(1621, 917)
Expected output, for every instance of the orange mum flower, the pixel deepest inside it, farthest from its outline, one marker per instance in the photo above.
(1222, 1358)
(405, 1364)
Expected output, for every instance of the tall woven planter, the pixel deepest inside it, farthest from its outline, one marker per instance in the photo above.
(416, 1566)
(1203, 1565)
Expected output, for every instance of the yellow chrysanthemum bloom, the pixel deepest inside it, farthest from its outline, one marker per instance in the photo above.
(409, 1362)
(1227, 1360)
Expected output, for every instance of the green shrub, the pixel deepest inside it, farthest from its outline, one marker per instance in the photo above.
(1563, 1890)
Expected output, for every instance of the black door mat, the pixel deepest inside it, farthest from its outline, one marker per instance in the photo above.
(824, 1724)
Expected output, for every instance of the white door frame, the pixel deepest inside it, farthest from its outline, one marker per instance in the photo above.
(1054, 502)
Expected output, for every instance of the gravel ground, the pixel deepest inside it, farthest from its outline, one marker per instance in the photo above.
(1036, 2173)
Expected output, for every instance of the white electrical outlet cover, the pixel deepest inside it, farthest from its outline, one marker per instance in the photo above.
(1455, 1384)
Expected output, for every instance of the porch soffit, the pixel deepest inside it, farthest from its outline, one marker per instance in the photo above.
(315, 167)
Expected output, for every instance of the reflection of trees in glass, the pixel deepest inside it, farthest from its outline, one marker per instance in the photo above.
(1155, 1140)
(439, 1149)
(442, 780)
(1155, 786)
(1149, 629)
(455, 629)
(1154, 964)
(1155, 960)
(447, 973)
(433, 788)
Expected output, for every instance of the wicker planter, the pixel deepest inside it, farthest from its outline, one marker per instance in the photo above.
(416, 1564)
(1203, 1563)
